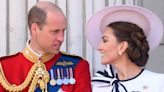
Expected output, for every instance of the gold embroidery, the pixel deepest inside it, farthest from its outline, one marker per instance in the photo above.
(64, 63)
(34, 58)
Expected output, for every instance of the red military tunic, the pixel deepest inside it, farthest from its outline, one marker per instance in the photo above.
(16, 68)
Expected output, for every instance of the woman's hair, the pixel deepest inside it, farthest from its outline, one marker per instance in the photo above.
(138, 46)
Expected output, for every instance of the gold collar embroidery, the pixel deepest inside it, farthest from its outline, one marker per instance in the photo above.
(34, 57)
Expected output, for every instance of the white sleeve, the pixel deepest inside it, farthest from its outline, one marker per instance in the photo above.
(162, 85)
(162, 88)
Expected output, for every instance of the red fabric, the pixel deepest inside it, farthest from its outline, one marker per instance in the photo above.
(17, 67)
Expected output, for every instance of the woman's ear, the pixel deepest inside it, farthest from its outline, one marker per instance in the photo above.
(122, 47)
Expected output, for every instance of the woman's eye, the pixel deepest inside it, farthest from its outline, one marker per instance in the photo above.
(104, 40)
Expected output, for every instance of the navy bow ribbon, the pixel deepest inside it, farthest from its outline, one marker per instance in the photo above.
(108, 80)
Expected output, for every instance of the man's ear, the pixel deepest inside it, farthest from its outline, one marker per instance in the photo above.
(34, 28)
(122, 47)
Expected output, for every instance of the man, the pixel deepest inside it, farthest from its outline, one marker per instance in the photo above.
(41, 67)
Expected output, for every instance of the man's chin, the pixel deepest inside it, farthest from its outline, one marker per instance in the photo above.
(55, 52)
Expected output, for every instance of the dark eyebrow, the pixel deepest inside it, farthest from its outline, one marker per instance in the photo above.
(57, 30)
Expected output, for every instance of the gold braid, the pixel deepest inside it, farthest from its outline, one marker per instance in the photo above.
(37, 75)
(33, 84)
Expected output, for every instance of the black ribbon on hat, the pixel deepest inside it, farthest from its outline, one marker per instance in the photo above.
(110, 80)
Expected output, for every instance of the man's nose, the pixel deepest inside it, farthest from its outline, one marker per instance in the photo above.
(61, 37)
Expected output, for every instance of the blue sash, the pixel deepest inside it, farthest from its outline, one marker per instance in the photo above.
(71, 60)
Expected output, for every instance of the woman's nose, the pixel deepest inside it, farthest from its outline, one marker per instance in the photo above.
(100, 47)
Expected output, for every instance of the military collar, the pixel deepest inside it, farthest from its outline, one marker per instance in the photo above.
(34, 57)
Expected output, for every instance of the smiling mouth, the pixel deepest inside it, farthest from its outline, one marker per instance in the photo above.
(102, 54)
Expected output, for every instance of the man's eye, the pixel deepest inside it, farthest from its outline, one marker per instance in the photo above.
(55, 31)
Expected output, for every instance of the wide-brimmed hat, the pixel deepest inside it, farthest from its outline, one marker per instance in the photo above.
(145, 19)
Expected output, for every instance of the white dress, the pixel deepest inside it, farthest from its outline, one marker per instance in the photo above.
(146, 81)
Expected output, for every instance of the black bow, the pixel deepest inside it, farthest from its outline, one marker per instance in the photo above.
(114, 81)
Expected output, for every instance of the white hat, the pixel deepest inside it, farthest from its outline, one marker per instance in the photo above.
(145, 19)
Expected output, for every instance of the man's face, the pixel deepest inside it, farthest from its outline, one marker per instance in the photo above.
(51, 36)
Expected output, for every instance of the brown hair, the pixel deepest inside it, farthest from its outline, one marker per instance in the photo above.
(38, 13)
(137, 44)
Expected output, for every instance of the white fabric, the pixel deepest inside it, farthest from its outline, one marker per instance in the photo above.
(147, 81)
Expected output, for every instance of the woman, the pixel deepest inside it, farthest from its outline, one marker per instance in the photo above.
(125, 35)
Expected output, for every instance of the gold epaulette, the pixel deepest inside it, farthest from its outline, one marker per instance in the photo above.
(71, 55)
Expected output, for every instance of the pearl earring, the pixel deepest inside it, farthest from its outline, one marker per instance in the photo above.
(119, 53)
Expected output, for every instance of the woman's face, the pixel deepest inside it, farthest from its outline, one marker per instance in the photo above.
(109, 47)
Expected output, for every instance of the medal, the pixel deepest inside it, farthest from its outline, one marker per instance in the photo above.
(59, 81)
(52, 81)
(65, 80)
(71, 80)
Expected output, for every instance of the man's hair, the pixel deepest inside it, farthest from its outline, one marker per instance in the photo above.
(38, 13)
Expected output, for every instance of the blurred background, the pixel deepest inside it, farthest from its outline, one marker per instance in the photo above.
(14, 31)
